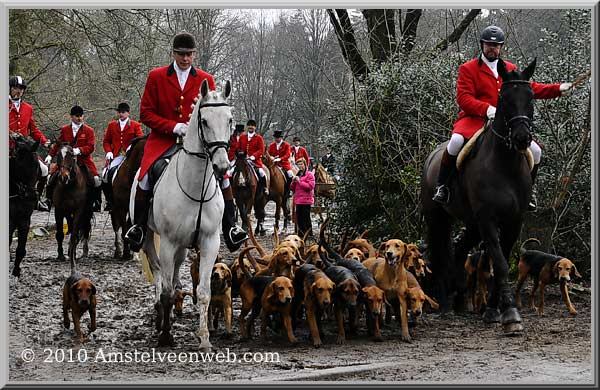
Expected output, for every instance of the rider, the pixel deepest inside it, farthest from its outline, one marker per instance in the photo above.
(82, 139)
(238, 142)
(477, 91)
(328, 160)
(165, 108)
(20, 120)
(117, 138)
(281, 151)
(254, 151)
(298, 151)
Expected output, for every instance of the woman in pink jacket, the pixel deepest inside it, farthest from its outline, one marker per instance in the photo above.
(303, 187)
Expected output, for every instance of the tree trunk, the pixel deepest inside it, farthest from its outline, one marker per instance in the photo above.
(458, 31)
(409, 30)
(347, 41)
(382, 33)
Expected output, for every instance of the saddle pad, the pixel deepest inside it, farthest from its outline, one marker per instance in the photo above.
(466, 150)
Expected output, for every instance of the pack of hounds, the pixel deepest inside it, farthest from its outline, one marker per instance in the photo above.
(296, 282)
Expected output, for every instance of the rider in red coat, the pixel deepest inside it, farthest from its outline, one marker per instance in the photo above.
(477, 90)
(117, 138)
(298, 151)
(20, 120)
(281, 152)
(82, 139)
(254, 153)
(165, 108)
(237, 143)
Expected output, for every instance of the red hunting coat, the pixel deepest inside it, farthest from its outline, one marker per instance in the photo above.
(301, 153)
(23, 122)
(256, 148)
(283, 153)
(116, 140)
(164, 105)
(477, 88)
(237, 142)
(86, 142)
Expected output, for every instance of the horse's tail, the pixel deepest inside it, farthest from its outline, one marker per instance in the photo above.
(363, 234)
(241, 261)
(527, 241)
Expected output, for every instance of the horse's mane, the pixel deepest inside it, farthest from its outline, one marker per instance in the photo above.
(322, 176)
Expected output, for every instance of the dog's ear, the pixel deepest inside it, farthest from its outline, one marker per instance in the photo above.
(555, 270)
(93, 290)
(432, 302)
(74, 289)
(405, 256)
(381, 248)
(270, 292)
(574, 271)
(427, 270)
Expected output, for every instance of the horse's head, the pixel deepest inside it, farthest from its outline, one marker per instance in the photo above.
(24, 157)
(210, 125)
(242, 168)
(514, 114)
(66, 162)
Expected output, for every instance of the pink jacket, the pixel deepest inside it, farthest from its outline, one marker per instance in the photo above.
(304, 190)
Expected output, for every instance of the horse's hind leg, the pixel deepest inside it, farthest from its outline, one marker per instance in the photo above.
(511, 319)
(466, 242)
(73, 241)
(114, 219)
(207, 254)
(167, 258)
(60, 236)
(438, 238)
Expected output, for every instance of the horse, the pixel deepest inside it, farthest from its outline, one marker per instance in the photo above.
(23, 173)
(121, 188)
(277, 193)
(490, 196)
(243, 185)
(187, 209)
(71, 201)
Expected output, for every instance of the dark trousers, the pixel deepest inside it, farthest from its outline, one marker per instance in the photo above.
(303, 218)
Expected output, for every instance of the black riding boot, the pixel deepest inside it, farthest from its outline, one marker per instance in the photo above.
(234, 235)
(288, 183)
(447, 168)
(532, 206)
(262, 180)
(136, 234)
(108, 195)
(50, 189)
(41, 184)
(96, 198)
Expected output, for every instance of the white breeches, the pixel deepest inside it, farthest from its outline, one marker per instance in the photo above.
(44, 169)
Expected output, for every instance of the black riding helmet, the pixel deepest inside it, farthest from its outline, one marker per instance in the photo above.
(493, 34)
(17, 81)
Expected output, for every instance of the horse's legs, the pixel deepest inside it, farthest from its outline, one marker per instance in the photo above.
(511, 319)
(207, 254)
(150, 251)
(58, 218)
(277, 214)
(125, 225)
(438, 238)
(467, 241)
(114, 219)
(168, 253)
(22, 232)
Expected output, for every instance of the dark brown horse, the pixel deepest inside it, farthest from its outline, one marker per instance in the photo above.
(121, 189)
(490, 195)
(70, 199)
(243, 185)
(277, 193)
(23, 170)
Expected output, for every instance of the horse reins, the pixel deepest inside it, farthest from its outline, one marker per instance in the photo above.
(203, 155)
(515, 119)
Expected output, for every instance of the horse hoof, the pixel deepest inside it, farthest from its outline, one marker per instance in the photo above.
(166, 340)
(205, 348)
(513, 329)
(491, 315)
(127, 256)
(61, 258)
(16, 272)
(117, 255)
(511, 316)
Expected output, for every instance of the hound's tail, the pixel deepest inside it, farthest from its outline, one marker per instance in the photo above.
(527, 241)
(241, 261)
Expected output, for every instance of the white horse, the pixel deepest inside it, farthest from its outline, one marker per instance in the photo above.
(187, 187)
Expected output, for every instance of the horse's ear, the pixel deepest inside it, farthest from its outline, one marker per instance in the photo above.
(204, 89)
(227, 89)
(528, 72)
(502, 68)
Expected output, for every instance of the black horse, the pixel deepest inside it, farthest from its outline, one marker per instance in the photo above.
(23, 173)
(490, 195)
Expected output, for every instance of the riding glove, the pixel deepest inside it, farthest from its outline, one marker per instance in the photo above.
(491, 112)
(277, 159)
(252, 158)
(109, 156)
(76, 151)
(180, 129)
(565, 88)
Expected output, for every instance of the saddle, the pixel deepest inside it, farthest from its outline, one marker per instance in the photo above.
(472, 146)
(157, 169)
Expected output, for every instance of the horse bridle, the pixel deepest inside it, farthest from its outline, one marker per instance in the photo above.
(208, 145)
(508, 124)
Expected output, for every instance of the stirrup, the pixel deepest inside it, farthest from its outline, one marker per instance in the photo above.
(237, 235)
(442, 194)
(43, 206)
(135, 237)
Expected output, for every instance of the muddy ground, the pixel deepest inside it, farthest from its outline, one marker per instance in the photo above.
(453, 349)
